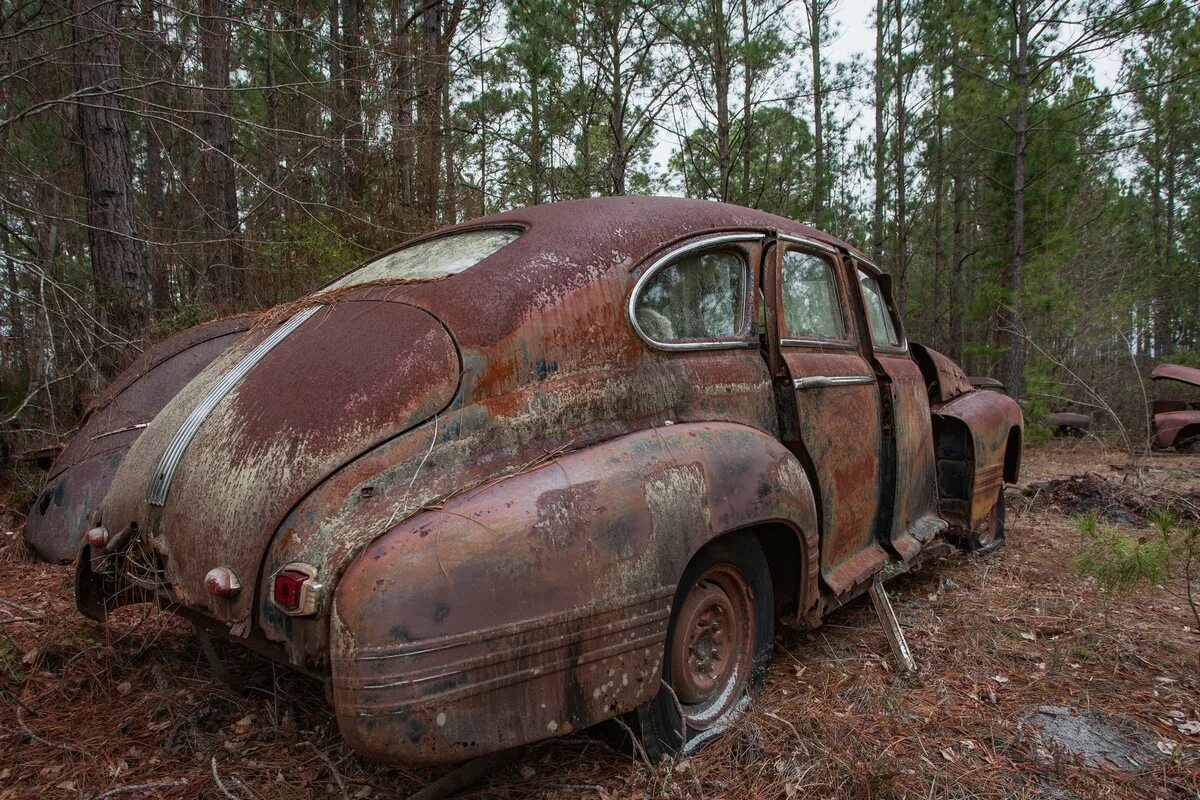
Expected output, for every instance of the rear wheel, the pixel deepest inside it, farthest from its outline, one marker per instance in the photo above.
(989, 535)
(718, 645)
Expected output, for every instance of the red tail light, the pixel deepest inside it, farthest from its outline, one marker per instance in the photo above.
(295, 589)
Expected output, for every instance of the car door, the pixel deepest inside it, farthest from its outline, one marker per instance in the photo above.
(911, 519)
(838, 414)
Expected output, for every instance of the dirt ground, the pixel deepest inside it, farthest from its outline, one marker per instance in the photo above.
(1033, 682)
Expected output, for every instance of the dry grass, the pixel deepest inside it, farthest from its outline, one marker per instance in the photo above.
(87, 709)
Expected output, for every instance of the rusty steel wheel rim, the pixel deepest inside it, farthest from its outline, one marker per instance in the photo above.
(711, 650)
(990, 528)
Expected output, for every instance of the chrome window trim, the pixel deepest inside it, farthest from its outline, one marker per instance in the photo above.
(825, 248)
(849, 341)
(156, 494)
(897, 323)
(826, 381)
(838, 344)
(666, 260)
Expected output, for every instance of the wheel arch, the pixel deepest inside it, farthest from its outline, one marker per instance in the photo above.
(548, 593)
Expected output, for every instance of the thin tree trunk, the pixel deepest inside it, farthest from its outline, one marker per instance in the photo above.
(900, 269)
(938, 179)
(1167, 344)
(351, 96)
(721, 80)
(958, 250)
(1015, 378)
(880, 140)
(402, 128)
(815, 12)
(747, 108)
(429, 109)
(117, 252)
(157, 264)
(220, 190)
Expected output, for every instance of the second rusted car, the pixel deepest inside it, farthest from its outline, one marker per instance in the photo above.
(554, 466)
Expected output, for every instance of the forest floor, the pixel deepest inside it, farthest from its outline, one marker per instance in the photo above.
(1033, 682)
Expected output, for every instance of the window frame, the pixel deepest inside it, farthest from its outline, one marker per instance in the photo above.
(884, 281)
(832, 258)
(745, 338)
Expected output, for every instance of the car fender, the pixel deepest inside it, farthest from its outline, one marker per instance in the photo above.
(978, 440)
(539, 603)
(1169, 426)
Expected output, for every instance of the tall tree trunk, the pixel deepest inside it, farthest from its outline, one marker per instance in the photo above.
(351, 95)
(900, 269)
(958, 250)
(157, 264)
(1167, 342)
(815, 12)
(880, 140)
(402, 126)
(747, 104)
(220, 190)
(938, 179)
(1015, 378)
(429, 110)
(722, 76)
(618, 107)
(117, 251)
(16, 316)
(535, 139)
(337, 120)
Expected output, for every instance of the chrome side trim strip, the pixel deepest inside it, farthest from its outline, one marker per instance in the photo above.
(137, 427)
(837, 344)
(161, 483)
(825, 381)
(645, 277)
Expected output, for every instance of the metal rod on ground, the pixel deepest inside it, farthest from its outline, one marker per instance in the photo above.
(891, 626)
(467, 774)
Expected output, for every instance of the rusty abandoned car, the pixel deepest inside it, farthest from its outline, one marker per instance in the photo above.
(1175, 422)
(550, 467)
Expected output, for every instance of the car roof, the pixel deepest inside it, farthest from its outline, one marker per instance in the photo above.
(566, 246)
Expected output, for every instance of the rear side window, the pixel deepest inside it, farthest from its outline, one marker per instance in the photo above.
(879, 319)
(810, 299)
(434, 258)
(699, 297)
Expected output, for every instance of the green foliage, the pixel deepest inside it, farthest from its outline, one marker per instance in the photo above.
(1119, 561)
(10, 662)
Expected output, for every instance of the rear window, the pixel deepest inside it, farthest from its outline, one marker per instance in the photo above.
(434, 258)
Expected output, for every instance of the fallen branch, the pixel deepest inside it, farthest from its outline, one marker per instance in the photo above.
(138, 787)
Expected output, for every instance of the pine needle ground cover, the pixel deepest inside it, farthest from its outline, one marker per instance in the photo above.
(1039, 677)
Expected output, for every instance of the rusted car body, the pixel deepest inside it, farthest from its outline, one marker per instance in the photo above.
(1176, 423)
(515, 477)
(80, 474)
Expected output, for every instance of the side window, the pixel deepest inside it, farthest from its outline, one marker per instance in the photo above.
(810, 298)
(879, 320)
(697, 297)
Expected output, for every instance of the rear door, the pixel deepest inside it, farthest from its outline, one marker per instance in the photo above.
(911, 518)
(838, 414)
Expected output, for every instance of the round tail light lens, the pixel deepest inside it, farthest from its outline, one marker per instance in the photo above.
(97, 537)
(222, 582)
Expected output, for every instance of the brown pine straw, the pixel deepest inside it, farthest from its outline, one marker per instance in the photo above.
(131, 709)
(275, 315)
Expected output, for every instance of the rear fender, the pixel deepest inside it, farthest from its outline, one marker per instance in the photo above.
(978, 441)
(539, 603)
